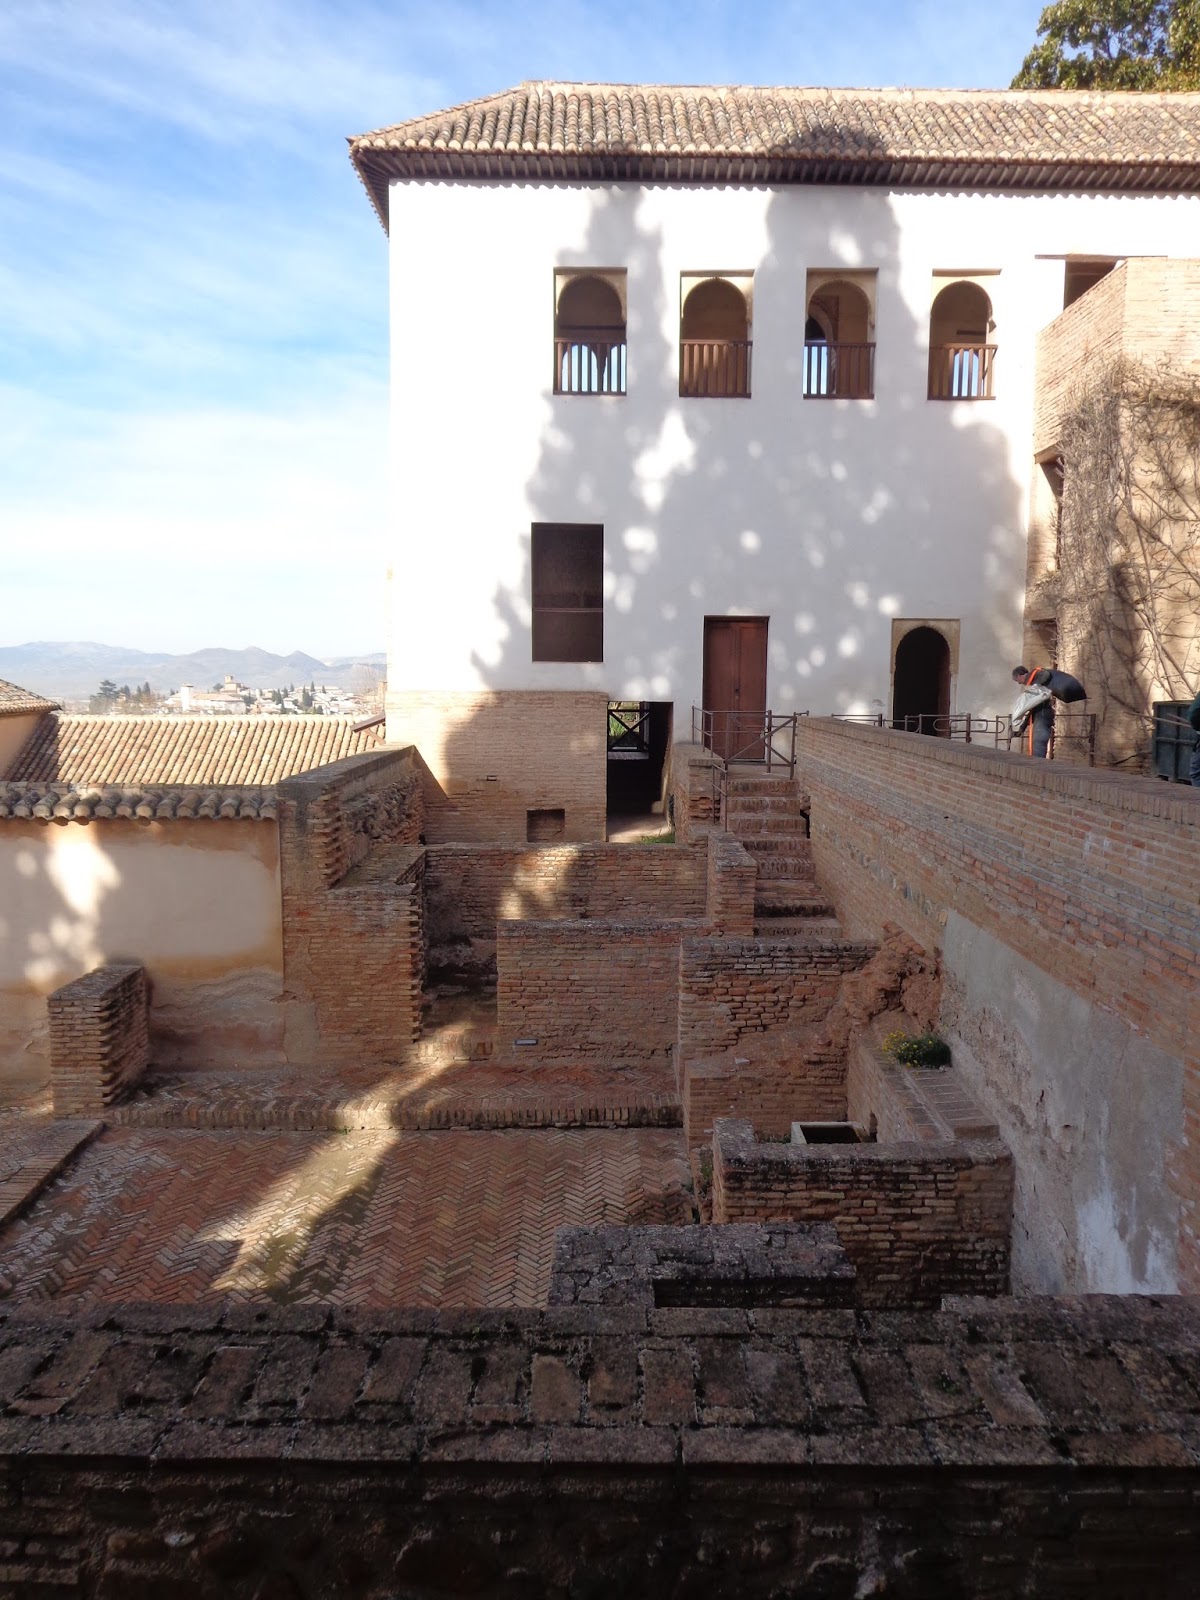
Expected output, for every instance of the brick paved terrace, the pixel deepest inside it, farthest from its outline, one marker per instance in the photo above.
(373, 1218)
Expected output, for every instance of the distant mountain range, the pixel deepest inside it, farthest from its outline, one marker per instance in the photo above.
(73, 671)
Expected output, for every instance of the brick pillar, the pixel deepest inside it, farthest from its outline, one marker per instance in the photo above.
(99, 1039)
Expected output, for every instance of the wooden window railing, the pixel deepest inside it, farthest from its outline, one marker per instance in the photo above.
(590, 361)
(961, 371)
(714, 368)
(838, 371)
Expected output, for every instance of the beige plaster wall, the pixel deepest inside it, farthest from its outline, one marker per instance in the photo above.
(14, 731)
(197, 902)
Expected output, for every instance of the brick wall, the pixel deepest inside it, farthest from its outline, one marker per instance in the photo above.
(918, 1221)
(353, 921)
(1142, 311)
(731, 989)
(732, 874)
(99, 1038)
(587, 991)
(469, 888)
(1092, 879)
(1040, 1448)
(692, 791)
(771, 1085)
(495, 755)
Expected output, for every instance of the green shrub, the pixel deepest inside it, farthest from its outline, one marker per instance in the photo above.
(917, 1049)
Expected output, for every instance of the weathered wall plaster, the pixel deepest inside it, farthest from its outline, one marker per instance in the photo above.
(198, 903)
(1090, 1110)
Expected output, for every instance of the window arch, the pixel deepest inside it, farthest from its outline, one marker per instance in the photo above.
(714, 340)
(839, 342)
(589, 334)
(961, 358)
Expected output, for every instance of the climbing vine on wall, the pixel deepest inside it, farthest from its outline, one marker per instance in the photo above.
(1126, 587)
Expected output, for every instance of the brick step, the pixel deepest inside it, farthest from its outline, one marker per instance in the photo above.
(751, 784)
(508, 1101)
(753, 805)
(797, 868)
(796, 900)
(814, 930)
(768, 824)
(789, 848)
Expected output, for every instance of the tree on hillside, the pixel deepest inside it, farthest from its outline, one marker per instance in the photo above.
(1115, 44)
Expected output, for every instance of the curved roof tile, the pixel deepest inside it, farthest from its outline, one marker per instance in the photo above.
(976, 138)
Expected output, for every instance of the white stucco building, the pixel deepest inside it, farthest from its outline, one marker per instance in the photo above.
(724, 398)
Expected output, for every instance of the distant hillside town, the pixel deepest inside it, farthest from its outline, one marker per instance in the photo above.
(232, 698)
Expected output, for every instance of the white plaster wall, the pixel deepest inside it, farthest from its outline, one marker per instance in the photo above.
(197, 903)
(831, 517)
(1092, 1112)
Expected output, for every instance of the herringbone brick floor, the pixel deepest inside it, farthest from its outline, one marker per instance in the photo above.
(370, 1218)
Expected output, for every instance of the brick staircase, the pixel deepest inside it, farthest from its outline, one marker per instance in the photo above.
(769, 815)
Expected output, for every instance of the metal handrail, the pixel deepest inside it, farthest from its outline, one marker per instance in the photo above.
(770, 736)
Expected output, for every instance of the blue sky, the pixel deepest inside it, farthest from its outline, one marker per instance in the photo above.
(193, 377)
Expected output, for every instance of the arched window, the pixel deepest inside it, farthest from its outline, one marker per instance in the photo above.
(714, 341)
(589, 335)
(839, 343)
(961, 359)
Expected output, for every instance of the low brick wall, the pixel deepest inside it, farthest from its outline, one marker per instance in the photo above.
(788, 1079)
(588, 991)
(899, 1103)
(99, 1038)
(470, 888)
(1038, 1448)
(693, 791)
(730, 989)
(732, 875)
(1062, 903)
(918, 1221)
(353, 910)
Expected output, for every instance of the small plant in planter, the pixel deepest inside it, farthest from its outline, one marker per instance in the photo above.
(917, 1049)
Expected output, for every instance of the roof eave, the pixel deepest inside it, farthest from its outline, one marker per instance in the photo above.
(379, 167)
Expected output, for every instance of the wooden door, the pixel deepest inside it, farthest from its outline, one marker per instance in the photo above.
(735, 686)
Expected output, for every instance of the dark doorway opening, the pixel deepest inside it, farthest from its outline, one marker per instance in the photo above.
(639, 736)
(735, 687)
(921, 689)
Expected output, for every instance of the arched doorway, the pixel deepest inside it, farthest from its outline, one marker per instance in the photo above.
(921, 686)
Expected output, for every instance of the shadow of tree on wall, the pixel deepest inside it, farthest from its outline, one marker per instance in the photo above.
(698, 497)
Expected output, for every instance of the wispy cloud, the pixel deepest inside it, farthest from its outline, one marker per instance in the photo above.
(193, 291)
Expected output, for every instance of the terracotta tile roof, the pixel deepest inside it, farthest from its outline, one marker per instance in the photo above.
(18, 702)
(69, 802)
(187, 752)
(962, 138)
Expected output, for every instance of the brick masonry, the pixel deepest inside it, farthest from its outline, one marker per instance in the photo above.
(493, 756)
(693, 790)
(99, 1038)
(918, 1221)
(1091, 877)
(1037, 1447)
(584, 991)
(353, 919)
(470, 888)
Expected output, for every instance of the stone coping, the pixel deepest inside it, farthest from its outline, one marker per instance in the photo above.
(1094, 1382)
(1116, 791)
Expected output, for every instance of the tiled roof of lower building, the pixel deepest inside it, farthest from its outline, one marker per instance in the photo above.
(723, 133)
(68, 802)
(187, 752)
(18, 702)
